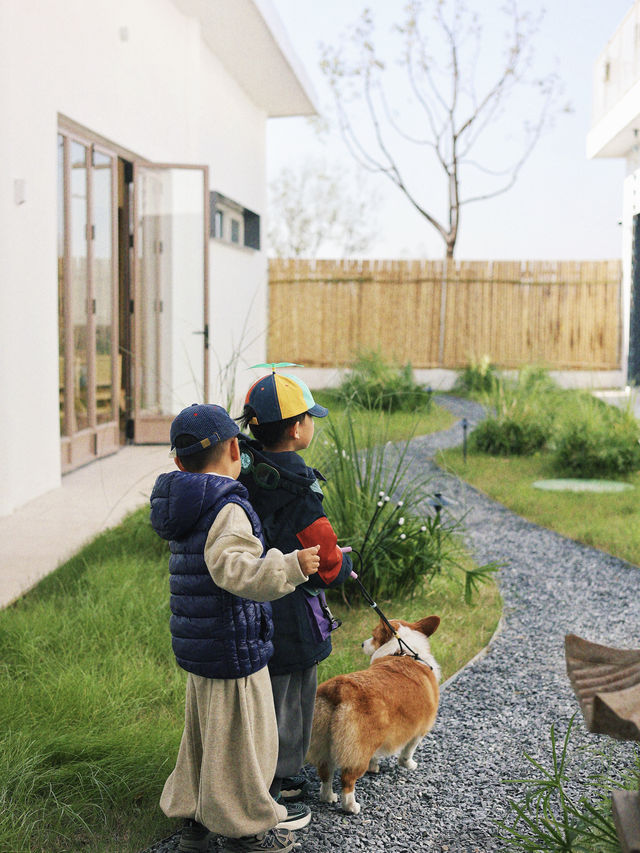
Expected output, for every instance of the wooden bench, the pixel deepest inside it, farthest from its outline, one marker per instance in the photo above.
(606, 682)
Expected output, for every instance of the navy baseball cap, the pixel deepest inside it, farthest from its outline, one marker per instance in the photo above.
(207, 423)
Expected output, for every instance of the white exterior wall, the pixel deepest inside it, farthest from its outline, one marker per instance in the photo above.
(615, 133)
(119, 68)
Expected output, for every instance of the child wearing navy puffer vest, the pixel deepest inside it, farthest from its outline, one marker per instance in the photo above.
(221, 628)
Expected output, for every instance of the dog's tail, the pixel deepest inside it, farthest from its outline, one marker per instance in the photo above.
(320, 745)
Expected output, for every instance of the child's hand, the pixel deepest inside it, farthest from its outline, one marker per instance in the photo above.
(309, 560)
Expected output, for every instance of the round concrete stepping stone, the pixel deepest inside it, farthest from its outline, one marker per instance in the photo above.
(579, 485)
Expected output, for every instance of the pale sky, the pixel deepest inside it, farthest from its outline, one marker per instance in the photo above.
(563, 205)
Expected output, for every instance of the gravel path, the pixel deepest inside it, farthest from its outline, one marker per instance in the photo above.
(503, 703)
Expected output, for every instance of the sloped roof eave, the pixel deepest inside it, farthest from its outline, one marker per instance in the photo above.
(250, 41)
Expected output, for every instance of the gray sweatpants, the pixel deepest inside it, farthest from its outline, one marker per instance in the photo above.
(294, 697)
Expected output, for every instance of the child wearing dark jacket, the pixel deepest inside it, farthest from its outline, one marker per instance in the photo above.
(286, 494)
(221, 633)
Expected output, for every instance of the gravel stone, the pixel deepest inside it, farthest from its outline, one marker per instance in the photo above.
(504, 702)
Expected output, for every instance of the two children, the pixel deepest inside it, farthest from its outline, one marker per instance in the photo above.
(221, 633)
(239, 756)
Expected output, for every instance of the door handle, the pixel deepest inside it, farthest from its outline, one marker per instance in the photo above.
(204, 332)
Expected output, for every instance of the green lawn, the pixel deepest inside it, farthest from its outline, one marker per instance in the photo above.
(398, 425)
(609, 521)
(92, 702)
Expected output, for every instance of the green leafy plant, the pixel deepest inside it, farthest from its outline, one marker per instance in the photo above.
(554, 815)
(374, 383)
(595, 439)
(373, 498)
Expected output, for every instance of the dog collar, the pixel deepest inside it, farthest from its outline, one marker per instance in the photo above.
(413, 656)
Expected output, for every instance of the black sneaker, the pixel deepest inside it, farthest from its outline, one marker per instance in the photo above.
(273, 839)
(298, 815)
(294, 788)
(194, 838)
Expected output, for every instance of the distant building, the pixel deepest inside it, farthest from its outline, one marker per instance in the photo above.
(132, 167)
(615, 132)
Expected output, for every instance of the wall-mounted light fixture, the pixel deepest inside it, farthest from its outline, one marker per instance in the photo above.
(19, 191)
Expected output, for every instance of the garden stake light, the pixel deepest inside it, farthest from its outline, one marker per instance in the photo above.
(438, 502)
(465, 425)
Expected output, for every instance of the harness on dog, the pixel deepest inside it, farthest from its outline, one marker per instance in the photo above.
(375, 607)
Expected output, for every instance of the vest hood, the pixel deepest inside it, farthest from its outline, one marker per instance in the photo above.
(179, 499)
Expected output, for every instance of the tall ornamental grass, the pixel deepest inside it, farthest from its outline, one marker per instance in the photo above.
(594, 439)
(375, 498)
(521, 414)
(479, 376)
(584, 436)
(564, 807)
(375, 383)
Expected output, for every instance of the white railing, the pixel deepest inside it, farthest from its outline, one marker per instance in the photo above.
(618, 66)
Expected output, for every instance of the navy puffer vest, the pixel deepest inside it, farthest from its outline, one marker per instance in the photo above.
(213, 633)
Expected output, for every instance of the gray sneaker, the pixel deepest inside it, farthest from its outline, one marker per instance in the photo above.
(194, 838)
(274, 839)
(298, 815)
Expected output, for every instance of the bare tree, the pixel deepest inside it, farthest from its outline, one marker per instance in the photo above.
(454, 95)
(314, 206)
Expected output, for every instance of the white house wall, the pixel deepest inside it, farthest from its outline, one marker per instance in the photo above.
(238, 342)
(137, 73)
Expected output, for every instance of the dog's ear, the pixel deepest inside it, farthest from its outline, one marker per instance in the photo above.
(428, 625)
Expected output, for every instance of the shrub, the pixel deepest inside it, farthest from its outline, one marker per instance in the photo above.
(478, 377)
(595, 439)
(519, 435)
(524, 412)
(374, 383)
(373, 497)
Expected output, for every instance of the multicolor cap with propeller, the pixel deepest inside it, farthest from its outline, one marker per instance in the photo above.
(278, 396)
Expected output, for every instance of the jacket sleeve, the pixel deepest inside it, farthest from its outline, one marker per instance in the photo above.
(335, 566)
(233, 556)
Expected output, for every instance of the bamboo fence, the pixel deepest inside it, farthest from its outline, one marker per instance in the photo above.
(562, 314)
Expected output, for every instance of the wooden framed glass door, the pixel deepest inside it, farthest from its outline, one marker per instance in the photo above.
(89, 366)
(170, 286)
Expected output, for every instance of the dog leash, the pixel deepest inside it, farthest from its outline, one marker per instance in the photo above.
(349, 550)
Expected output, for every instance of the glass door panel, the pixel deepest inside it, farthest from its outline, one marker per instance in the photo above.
(171, 271)
(64, 427)
(79, 283)
(153, 243)
(87, 301)
(103, 284)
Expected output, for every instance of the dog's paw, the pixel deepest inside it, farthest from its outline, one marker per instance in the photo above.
(350, 805)
(327, 794)
(331, 797)
(373, 767)
(409, 763)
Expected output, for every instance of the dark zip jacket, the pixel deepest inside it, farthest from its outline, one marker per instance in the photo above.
(287, 496)
(213, 633)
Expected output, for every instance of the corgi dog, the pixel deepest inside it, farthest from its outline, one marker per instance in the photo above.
(384, 710)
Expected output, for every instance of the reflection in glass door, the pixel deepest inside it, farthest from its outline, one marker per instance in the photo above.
(103, 304)
(79, 284)
(87, 313)
(171, 273)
